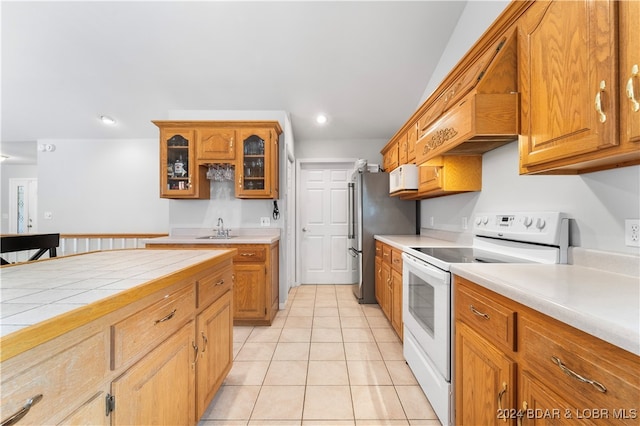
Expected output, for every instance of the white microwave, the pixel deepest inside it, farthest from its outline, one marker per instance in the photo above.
(403, 178)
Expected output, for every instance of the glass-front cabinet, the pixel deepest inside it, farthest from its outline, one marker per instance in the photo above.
(257, 168)
(179, 173)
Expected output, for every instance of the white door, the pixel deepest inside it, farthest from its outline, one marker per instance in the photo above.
(323, 224)
(23, 207)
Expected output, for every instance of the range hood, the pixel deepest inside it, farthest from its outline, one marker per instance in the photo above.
(476, 113)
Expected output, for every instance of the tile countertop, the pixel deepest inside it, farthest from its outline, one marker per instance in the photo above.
(34, 292)
(599, 302)
(238, 236)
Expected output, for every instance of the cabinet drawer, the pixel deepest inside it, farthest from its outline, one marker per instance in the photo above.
(379, 248)
(250, 254)
(138, 333)
(396, 260)
(386, 253)
(571, 362)
(214, 285)
(493, 320)
(64, 376)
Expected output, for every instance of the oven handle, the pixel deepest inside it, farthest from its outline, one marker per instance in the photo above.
(424, 268)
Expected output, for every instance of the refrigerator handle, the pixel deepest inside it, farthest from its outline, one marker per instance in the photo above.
(352, 213)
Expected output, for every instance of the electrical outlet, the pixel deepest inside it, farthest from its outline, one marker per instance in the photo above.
(632, 232)
(48, 215)
(265, 221)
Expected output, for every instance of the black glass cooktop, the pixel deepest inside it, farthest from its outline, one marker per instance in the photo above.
(465, 255)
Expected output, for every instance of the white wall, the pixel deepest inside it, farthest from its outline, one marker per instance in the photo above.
(597, 202)
(368, 149)
(7, 172)
(101, 186)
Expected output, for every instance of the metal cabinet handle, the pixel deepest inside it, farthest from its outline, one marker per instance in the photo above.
(219, 283)
(525, 406)
(195, 354)
(167, 318)
(205, 342)
(599, 386)
(478, 313)
(15, 418)
(598, 102)
(502, 414)
(247, 254)
(635, 105)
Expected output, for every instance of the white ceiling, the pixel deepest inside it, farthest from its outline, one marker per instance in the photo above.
(365, 64)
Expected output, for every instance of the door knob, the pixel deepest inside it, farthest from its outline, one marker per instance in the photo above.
(304, 229)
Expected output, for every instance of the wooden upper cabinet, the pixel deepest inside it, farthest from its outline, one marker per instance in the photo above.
(629, 72)
(180, 175)
(390, 156)
(257, 171)
(216, 144)
(570, 88)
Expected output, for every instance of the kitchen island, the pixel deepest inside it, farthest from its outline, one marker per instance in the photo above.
(104, 332)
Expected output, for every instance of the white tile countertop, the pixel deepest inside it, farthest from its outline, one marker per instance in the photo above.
(34, 292)
(595, 300)
(238, 236)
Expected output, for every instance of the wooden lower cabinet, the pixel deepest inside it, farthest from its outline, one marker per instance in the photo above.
(183, 351)
(486, 383)
(214, 334)
(514, 365)
(159, 388)
(256, 288)
(388, 284)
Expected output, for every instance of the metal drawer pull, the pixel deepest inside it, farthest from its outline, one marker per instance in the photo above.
(599, 386)
(478, 313)
(247, 254)
(167, 318)
(219, 283)
(23, 411)
(502, 415)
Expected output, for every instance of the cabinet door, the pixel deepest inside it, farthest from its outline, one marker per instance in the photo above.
(403, 150)
(429, 178)
(629, 71)
(249, 291)
(159, 388)
(386, 290)
(542, 407)
(396, 301)
(379, 281)
(91, 412)
(412, 138)
(180, 176)
(254, 170)
(484, 381)
(215, 340)
(568, 81)
(273, 267)
(216, 144)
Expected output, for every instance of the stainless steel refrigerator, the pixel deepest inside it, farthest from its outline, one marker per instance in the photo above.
(373, 212)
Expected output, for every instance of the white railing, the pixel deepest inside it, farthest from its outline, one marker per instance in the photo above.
(84, 243)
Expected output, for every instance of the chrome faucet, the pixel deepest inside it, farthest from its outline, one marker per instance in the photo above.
(221, 231)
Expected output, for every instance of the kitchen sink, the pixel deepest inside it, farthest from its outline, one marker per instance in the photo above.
(216, 237)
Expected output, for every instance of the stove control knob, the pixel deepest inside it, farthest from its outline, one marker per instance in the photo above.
(485, 220)
(527, 221)
(478, 220)
(540, 223)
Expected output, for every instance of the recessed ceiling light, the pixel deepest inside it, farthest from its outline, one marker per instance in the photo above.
(321, 119)
(107, 120)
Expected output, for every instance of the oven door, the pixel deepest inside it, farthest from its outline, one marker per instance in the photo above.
(426, 310)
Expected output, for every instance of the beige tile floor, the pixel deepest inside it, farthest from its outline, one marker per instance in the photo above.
(326, 360)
